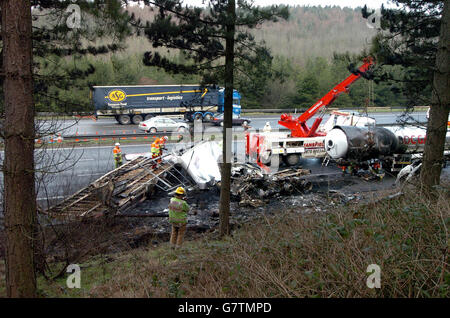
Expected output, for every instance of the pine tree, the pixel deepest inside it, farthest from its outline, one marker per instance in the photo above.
(25, 48)
(440, 106)
(18, 170)
(308, 91)
(217, 44)
(416, 39)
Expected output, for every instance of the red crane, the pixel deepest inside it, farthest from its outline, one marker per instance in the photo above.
(298, 126)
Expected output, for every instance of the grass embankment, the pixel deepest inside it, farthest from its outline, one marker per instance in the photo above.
(291, 254)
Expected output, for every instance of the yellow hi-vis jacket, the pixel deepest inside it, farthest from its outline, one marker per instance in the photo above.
(178, 210)
(155, 150)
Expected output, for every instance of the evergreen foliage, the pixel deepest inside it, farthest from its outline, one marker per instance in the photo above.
(200, 36)
(68, 63)
(60, 42)
(406, 46)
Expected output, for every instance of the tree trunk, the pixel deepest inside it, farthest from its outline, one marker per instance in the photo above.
(18, 169)
(224, 205)
(440, 105)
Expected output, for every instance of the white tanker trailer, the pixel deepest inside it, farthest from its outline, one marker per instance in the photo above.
(396, 146)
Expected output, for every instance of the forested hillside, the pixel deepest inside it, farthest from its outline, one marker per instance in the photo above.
(317, 31)
(310, 57)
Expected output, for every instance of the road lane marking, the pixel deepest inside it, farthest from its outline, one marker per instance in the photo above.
(51, 198)
(92, 174)
(93, 147)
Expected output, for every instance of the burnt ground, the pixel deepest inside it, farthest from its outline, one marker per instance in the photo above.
(147, 225)
(329, 187)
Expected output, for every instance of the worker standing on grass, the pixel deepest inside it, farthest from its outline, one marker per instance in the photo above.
(117, 153)
(178, 210)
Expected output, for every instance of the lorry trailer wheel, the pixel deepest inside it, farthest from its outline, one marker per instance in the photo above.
(148, 116)
(124, 120)
(137, 119)
(292, 159)
(198, 116)
(208, 117)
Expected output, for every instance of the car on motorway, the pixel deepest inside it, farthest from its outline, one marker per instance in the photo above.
(237, 120)
(163, 124)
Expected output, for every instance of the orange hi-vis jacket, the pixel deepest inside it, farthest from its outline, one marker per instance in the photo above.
(117, 153)
(155, 149)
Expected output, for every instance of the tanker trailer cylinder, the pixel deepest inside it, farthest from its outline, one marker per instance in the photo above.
(359, 142)
(336, 144)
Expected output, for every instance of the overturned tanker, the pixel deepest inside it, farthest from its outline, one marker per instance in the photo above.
(360, 142)
(395, 146)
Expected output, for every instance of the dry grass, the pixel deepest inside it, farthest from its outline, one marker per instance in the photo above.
(297, 255)
(290, 255)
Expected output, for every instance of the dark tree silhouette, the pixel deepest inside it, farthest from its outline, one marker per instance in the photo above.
(217, 44)
(412, 48)
(19, 196)
(32, 33)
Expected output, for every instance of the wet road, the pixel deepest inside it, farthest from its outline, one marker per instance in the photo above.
(63, 171)
(110, 126)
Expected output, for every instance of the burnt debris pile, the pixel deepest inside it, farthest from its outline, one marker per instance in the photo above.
(251, 188)
(119, 190)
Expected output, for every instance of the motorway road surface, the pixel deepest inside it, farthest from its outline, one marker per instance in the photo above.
(110, 126)
(63, 171)
(70, 169)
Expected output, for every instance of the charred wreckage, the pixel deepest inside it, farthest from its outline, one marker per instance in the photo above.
(354, 142)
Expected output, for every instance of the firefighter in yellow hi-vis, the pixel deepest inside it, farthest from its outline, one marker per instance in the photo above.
(156, 152)
(178, 210)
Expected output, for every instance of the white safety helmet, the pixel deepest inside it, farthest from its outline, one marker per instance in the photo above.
(117, 144)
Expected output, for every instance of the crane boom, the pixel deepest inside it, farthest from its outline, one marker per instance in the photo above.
(298, 126)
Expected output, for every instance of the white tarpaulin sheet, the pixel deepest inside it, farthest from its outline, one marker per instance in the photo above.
(133, 156)
(201, 162)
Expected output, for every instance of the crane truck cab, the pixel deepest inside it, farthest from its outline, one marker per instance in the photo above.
(302, 140)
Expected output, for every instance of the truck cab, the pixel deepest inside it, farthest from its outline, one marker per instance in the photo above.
(236, 101)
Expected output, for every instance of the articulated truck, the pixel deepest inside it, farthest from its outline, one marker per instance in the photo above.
(133, 104)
